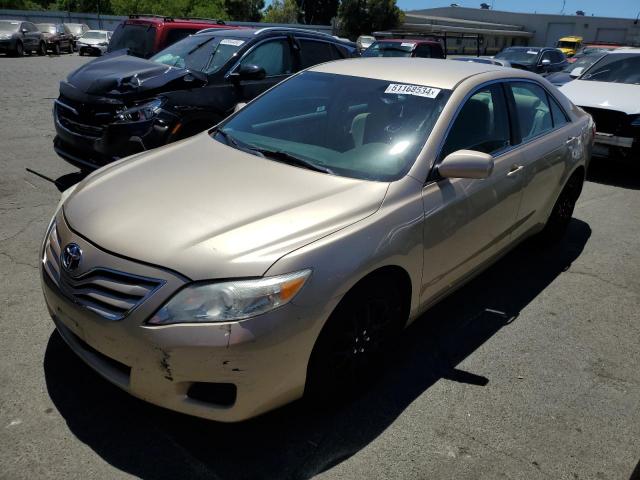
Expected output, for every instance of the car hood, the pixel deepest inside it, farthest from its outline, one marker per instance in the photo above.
(120, 75)
(613, 96)
(209, 211)
(92, 41)
(559, 78)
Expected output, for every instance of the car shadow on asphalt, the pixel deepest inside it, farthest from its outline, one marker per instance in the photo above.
(617, 172)
(297, 441)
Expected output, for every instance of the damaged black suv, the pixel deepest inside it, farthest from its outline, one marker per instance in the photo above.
(119, 105)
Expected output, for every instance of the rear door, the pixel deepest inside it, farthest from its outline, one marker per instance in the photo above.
(313, 52)
(469, 221)
(547, 141)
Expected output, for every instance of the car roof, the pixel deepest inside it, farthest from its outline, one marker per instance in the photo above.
(248, 33)
(408, 40)
(531, 48)
(621, 50)
(418, 71)
(158, 19)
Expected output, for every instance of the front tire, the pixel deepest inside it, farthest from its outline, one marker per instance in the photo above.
(42, 49)
(19, 51)
(352, 344)
(56, 49)
(562, 212)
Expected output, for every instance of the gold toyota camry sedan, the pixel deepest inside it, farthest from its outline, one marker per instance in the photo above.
(279, 253)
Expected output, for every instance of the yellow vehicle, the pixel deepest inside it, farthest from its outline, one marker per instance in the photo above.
(569, 45)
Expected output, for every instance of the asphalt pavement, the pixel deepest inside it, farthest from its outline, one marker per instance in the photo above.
(531, 371)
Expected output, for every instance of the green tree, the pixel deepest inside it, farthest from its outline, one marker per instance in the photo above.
(244, 10)
(358, 17)
(318, 12)
(282, 11)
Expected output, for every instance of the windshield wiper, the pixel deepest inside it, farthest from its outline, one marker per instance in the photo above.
(201, 44)
(290, 159)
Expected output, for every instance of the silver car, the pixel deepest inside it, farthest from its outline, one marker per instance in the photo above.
(278, 254)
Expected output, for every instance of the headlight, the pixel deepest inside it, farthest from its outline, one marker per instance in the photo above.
(140, 113)
(636, 121)
(227, 301)
(4, 36)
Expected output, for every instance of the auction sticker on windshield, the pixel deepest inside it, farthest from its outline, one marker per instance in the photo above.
(417, 90)
(231, 41)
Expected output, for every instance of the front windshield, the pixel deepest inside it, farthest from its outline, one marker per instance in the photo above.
(615, 68)
(389, 49)
(75, 28)
(519, 55)
(94, 36)
(202, 53)
(9, 27)
(46, 27)
(566, 44)
(349, 126)
(582, 62)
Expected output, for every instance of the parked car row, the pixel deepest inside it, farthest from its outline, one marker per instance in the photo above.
(18, 37)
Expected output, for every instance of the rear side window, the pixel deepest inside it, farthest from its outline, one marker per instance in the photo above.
(176, 34)
(556, 57)
(137, 38)
(426, 51)
(313, 53)
(274, 56)
(532, 107)
(557, 114)
(481, 125)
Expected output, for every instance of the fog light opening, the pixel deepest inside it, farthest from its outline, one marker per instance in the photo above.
(220, 394)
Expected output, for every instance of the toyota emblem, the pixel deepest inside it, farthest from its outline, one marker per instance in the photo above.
(71, 256)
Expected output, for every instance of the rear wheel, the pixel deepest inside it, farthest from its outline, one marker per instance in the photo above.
(42, 49)
(352, 344)
(562, 211)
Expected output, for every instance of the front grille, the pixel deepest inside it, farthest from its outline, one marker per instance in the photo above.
(608, 121)
(109, 293)
(84, 118)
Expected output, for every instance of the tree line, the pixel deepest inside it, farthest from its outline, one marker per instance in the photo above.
(353, 17)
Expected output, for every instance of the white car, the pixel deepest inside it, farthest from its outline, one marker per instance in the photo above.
(609, 90)
(94, 42)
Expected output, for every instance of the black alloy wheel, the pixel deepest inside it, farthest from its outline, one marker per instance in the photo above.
(42, 49)
(352, 344)
(56, 49)
(562, 211)
(19, 51)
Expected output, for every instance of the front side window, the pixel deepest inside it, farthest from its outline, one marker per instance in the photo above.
(349, 126)
(616, 68)
(274, 56)
(313, 53)
(532, 109)
(202, 53)
(481, 125)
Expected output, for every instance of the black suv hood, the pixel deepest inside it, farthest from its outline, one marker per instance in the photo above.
(120, 75)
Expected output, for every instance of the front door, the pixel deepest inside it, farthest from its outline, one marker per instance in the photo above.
(275, 56)
(469, 221)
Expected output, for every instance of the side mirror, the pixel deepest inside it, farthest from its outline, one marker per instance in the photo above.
(576, 72)
(466, 164)
(546, 62)
(25, 30)
(249, 72)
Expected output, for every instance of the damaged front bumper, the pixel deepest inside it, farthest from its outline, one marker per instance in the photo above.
(91, 145)
(227, 372)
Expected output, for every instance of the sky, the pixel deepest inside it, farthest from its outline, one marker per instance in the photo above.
(599, 8)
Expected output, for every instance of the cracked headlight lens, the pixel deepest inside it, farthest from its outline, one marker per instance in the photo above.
(140, 113)
(228, 301)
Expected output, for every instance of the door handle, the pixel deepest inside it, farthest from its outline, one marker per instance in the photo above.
(571, 139)
(514, 169)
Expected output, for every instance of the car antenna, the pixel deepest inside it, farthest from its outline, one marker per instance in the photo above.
(55, 182)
